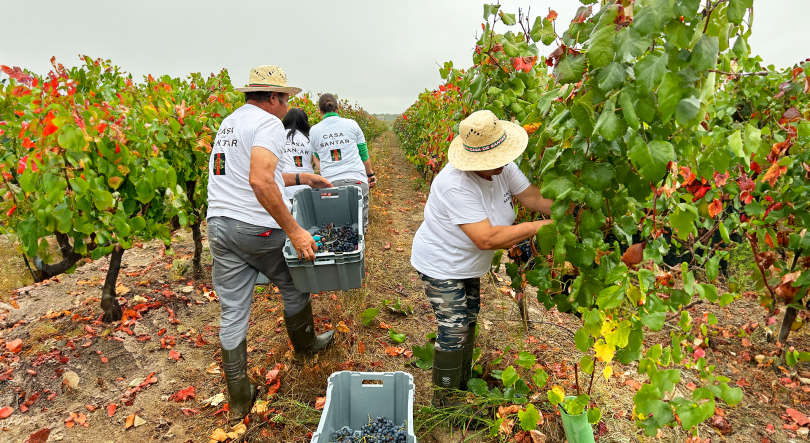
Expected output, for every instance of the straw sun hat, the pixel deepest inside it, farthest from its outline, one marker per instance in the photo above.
(268, 78)
(485, 143)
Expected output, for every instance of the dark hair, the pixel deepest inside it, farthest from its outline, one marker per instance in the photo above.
(261, 96)
(327, 103)
(296, 120)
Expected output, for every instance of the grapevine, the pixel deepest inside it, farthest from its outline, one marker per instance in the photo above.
(654, 118)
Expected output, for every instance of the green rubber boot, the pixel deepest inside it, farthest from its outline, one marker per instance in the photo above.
(446, 374)
(241, 391)
(301, 330)
(467, 357)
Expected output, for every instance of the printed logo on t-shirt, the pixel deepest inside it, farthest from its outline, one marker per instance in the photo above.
(299, 161)
(219, 163)
(507, 197)
(336, 156)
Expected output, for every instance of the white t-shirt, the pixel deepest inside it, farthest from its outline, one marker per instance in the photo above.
(440, 248)
(335, 141)
(297, 159)
(229, 191)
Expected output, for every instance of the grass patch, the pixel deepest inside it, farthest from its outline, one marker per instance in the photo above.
(740, 266)
(42, 331)
(180, 266)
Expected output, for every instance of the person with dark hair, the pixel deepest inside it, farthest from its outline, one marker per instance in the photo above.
(249, 221)
(341, 150)
(297, 151)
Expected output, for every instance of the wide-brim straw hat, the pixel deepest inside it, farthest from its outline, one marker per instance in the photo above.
(485, 142)
(268, 78)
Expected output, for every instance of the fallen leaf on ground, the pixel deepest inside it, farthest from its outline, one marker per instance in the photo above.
(40, 436)
(90, 407)
(213, 368)
(721, 424)
(219, 435)
(400, 249)
(111, 409)
(506, 427)
(341, 327)
(130, 421)
(14, 346)
(215, 400)
(121, 290)
(274, 388)
(174, 354)
(798, 417)
(272, 375)
(537, 436)
(320, 402)
(260, 407)
(70, 379)
(633, 384)
(189, 411)
(183, 394)
(5, 412)
(237, 431)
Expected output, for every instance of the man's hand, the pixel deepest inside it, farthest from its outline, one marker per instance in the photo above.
(304, 244)
(372, 181)
(317, 181)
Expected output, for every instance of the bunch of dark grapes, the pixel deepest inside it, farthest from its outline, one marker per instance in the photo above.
(522, 252)
(346, 238)
(379, 430)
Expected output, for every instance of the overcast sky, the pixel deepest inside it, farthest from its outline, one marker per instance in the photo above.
(379, 53)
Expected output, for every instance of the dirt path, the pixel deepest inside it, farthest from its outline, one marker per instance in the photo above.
(172, 335)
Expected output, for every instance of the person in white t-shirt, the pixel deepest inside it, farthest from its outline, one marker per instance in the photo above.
(297, 151)
(248, 222)
(468, 216)
(341, 151)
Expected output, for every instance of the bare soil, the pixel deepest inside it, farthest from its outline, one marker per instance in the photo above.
(59, 325)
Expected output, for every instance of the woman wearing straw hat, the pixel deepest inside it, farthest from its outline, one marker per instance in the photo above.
(468, 216)
(297, 152)
(248, 222)
(341, 151)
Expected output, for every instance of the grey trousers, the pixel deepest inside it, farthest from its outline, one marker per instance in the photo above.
(364, 187)
(240, 253)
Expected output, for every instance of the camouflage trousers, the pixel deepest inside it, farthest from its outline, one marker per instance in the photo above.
(456, 304)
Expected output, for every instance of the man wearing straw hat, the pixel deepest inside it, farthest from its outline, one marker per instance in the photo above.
(248, 222)
(468, 216)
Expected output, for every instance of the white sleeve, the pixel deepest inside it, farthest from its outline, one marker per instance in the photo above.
(269, 134)
(463, 206)
(361, 138)
(515, 179)
(313, 145)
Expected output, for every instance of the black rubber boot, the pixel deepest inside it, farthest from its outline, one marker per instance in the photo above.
(446, 374)
(301, 330)
(467, 357)
(241, 391)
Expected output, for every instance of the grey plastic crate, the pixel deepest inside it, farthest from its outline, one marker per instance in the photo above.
(312, 208)
(350, 402)
(262, 279)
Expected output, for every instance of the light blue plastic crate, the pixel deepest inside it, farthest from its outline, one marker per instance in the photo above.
(351, 402)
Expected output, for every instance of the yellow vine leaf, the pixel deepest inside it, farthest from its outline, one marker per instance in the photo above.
(604, 352)
(607, 372)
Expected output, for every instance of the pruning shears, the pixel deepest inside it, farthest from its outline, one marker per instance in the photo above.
(322, 240)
